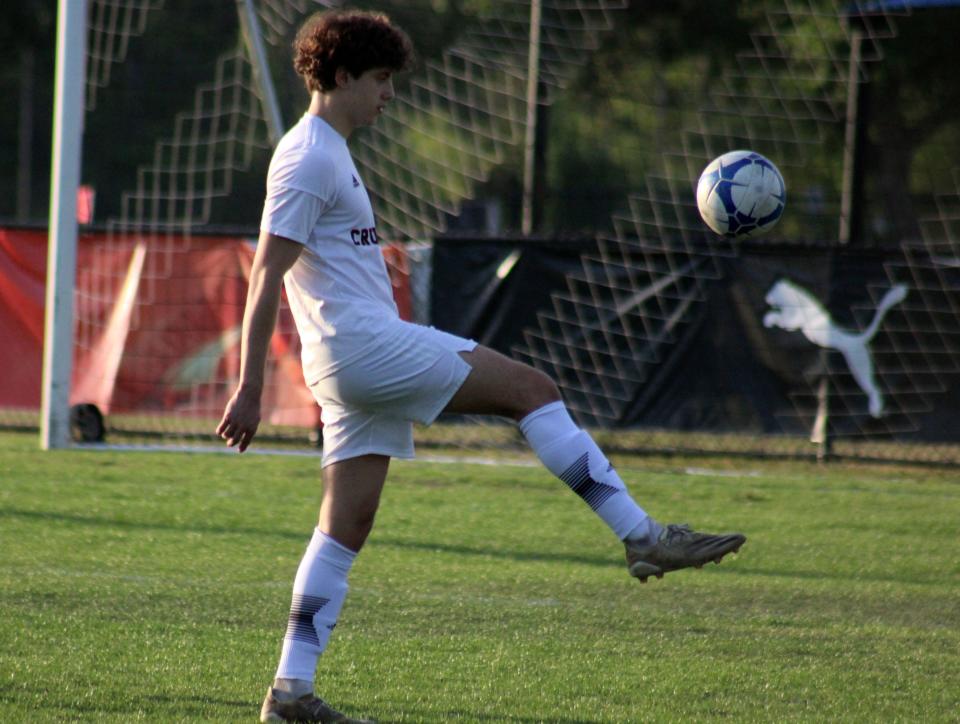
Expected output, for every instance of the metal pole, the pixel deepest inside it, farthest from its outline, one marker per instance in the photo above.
(820, 434)
(530, 138)
(850, 142)
(62, 245)
(250, 27)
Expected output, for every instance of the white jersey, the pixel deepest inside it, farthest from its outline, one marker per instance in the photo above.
(339, 289)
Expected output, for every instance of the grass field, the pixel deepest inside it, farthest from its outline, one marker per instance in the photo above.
(155, 587)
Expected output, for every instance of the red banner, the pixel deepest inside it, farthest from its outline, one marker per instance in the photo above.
(157, 326)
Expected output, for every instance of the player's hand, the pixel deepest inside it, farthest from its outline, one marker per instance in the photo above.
(241, 417)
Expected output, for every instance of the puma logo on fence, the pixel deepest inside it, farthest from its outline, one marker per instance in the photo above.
(794, 308)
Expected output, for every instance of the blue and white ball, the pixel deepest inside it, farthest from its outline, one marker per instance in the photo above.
(741, 193)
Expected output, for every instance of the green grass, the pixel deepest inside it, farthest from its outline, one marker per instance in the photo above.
(155, 587)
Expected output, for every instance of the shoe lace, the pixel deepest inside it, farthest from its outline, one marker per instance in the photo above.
(318, 706)
(676, 532)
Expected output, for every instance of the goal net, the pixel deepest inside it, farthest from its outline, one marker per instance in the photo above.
(161, 283)
(162, 274)
(789, 90)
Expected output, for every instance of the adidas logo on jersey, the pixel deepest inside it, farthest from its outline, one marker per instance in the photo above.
(356, 182)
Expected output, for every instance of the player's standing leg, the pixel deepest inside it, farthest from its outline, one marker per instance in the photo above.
(351, 496)
(501, 386)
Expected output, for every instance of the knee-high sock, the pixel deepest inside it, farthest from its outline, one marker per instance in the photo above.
(572, 455)
(318, 593)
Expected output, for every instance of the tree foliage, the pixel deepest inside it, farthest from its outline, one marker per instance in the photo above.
(638, 97)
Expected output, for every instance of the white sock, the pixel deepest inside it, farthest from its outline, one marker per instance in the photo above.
(572, 455)
(318, 594)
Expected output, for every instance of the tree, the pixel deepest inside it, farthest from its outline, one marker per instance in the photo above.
(911, 114)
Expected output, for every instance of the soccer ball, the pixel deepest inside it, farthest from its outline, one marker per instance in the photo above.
(741, 193)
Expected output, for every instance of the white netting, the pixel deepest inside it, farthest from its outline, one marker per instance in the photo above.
(279, 16)
(465, 113)
(110, 26)
(624, 315)
(474, 94)
(196, 165)
(174, 333)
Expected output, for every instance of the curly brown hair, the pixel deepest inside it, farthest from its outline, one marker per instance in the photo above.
(356, 40)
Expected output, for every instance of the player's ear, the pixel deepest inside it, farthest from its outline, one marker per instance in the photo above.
(342, 77)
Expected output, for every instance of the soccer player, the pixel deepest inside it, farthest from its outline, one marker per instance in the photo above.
(374, 374)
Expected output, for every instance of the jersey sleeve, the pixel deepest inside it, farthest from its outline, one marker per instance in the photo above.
(299, 191)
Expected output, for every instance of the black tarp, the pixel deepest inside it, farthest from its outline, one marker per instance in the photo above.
(729, 372)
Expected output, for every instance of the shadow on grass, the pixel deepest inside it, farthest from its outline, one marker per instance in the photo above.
(173, 699)
(528, 556)
(612, 561)
(140, 525)
(166, 705)
(179, 706)
(730, 566)
(420, 715)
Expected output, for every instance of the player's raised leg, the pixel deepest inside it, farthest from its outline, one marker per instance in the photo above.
(351, 496)
(500, 386)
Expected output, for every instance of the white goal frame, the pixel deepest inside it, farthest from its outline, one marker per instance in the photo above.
(62, 246)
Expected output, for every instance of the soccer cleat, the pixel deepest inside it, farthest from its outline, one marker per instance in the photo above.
(279, 706)
(679, 547)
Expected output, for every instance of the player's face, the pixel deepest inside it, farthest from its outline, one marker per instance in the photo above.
(370, 94)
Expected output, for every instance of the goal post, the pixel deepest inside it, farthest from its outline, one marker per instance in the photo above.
(69, 92)
(253, 38)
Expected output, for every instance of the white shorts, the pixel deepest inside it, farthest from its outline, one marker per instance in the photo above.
(369, 406)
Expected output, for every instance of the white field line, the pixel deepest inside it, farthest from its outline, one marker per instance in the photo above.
(722, 473)
(215, 450)
(519, 462)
